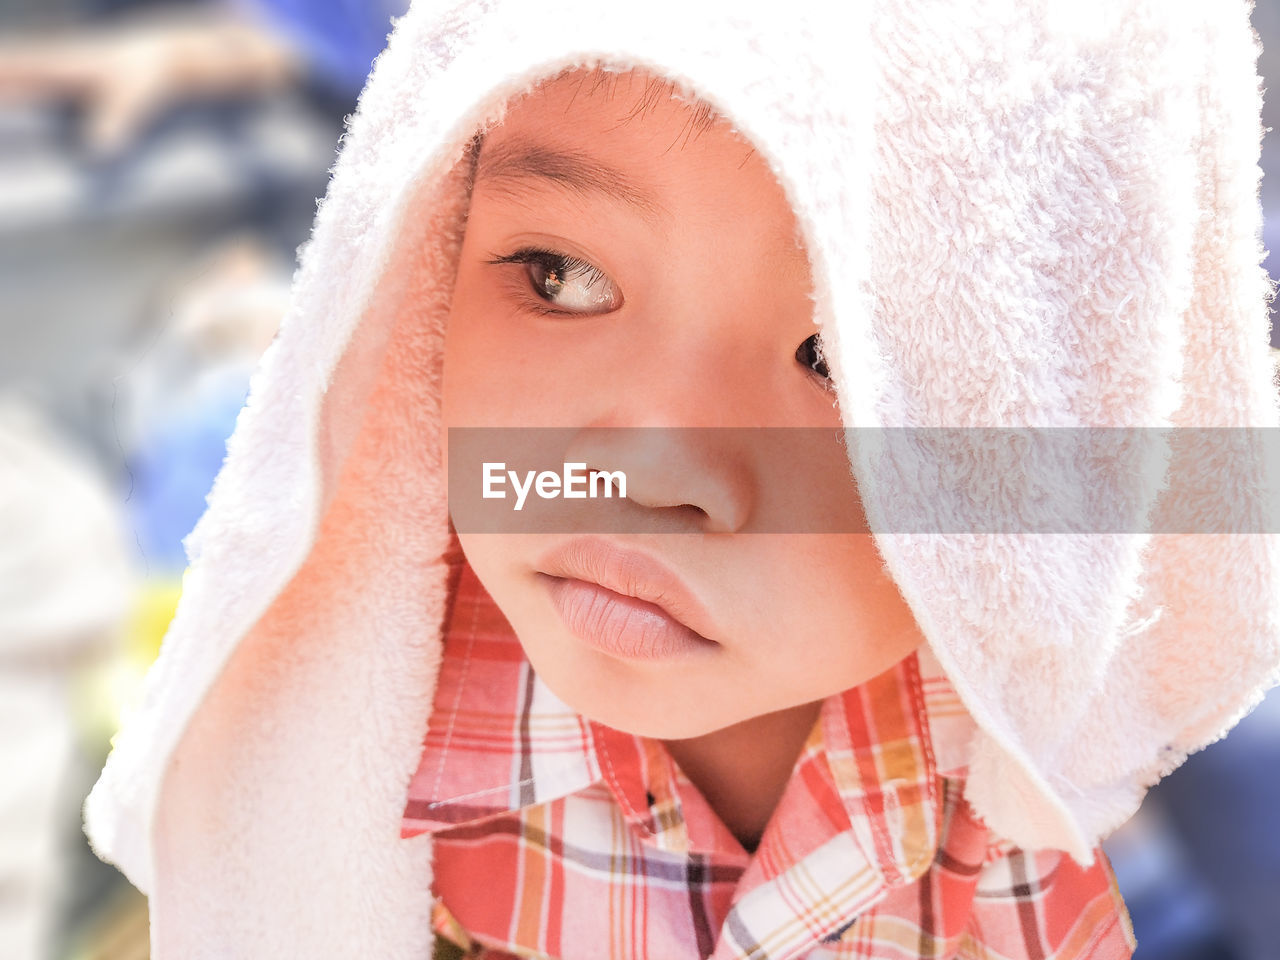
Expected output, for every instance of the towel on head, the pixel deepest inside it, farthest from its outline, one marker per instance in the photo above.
(1019, 215)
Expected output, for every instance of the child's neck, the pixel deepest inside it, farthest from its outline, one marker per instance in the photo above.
(743, 769)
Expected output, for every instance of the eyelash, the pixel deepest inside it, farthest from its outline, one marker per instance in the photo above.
(548, 259)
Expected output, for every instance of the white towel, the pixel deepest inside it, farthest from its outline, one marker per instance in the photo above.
(1023, 213)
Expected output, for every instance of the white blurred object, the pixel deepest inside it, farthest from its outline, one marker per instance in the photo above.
(66, 584)
(63, 561)
(224, 310)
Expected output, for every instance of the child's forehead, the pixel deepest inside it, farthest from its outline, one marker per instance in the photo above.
(617, 98)
(595, 110)
(619, 130)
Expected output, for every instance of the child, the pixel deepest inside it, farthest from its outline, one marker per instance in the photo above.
(665, 737)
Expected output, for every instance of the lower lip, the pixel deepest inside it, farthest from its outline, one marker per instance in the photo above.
(621, 626)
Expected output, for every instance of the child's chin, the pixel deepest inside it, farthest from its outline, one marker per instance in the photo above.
(657, 701)
(655, 724)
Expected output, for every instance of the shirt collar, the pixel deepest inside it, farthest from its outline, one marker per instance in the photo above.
(499, 740)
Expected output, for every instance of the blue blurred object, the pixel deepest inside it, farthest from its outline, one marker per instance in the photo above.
(1223, 804)
(338, 38)
(1199, 866)
(174, 465)
(341, 38)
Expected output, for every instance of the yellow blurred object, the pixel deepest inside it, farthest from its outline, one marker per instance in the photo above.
(153, 611)
(108, 691)
(151, 615)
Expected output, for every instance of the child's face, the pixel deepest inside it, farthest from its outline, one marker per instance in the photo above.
(621, 269)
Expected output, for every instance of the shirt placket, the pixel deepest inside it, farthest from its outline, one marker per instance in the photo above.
(877, 759)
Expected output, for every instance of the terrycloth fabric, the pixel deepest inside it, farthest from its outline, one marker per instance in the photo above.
(1039, 213)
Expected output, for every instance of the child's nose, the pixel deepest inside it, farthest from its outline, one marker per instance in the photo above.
(697, 479)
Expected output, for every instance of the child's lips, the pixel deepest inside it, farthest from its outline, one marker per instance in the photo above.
(620, 625)
(622, 602)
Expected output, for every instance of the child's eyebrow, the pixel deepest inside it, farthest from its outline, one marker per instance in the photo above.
(517, 158)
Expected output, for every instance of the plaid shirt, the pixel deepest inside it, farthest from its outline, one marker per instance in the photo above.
(555, 836)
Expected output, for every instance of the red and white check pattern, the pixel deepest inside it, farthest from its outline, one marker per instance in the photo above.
(557, 837)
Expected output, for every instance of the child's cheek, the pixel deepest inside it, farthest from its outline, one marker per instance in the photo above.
(504, 367)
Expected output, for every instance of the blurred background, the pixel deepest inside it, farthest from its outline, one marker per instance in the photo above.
(159, 166)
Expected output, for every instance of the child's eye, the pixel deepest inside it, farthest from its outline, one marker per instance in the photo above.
(570, 284)
(809, 354)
